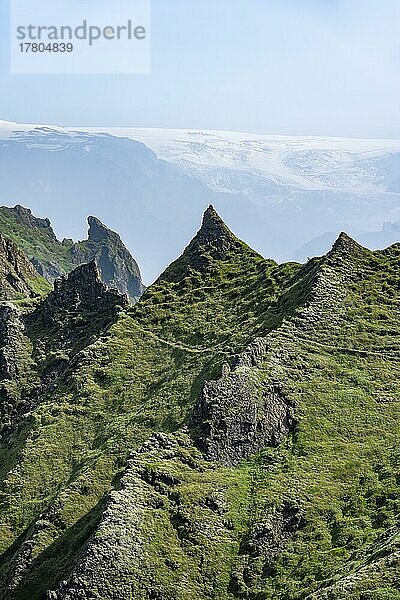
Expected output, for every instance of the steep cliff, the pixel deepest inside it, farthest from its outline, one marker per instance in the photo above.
(18, 279)
(116, 266)
(52, 258)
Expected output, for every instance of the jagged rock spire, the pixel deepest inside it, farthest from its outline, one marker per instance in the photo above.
(80, 306)
(84, 285)
(214, 236)
(212, 243)
(117, 268)
(98, 232)
(213, 227)
(345, 246)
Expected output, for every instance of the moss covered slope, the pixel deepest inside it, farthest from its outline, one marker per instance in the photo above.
(276, 473)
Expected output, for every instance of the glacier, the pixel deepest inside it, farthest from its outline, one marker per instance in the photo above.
(286, 196)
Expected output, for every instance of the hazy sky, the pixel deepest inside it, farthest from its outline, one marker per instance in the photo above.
(313, 67)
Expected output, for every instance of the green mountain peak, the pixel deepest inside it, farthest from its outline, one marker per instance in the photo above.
(232, 435)
(213, 243)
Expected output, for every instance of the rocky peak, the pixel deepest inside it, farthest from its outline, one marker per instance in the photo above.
(345, 246)
(214, 237)
(98, 232)
(84, 286)
(213, 242)
(25, 216)
(117, 267)
(77, 311)
(52, 258)
(213, 228)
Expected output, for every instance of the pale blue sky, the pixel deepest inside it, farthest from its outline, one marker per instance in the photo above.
(312, 67)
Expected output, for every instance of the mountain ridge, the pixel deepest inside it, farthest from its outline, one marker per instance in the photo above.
(232, 435)
(52, 258)
(276, 193)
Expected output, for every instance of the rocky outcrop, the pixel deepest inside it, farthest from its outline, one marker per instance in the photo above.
(17, 376)
(345, 246)
(36, 348)
(118, 561)
(17, 276)
(213, 235)
(114, 553)
(53, 259)
(213, 242)
(116, 266)
(77, 311)
(263, 543)
(241, 413)
(82, 288)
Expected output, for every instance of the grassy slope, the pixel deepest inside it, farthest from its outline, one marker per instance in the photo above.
(35, 242)
(340, 467)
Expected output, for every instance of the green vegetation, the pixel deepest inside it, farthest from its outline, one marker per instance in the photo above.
(36, 238)
(52, 258)
(317, 513)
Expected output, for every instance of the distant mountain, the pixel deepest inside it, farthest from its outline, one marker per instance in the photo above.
(232, 435)
(277, 192)
(389, 234)
(375, 240)
(52, 258)
(239, 162)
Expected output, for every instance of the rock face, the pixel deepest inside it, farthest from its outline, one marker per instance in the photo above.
(114, 553)
(36, 348)
(78, 309)
(240, 414)
(83, 289)
(117, 561)
(25, 216)
(52, 258)
(17, 377)
(17, 276)
(116, 266)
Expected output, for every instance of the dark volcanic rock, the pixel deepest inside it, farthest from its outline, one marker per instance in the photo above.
(239, 414)
(80, 293)
(116, 266)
